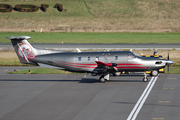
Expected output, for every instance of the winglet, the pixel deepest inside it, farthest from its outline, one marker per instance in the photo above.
(18, 37)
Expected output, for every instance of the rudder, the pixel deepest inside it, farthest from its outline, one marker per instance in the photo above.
(24, 50)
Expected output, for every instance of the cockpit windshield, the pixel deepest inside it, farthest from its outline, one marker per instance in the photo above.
(133, 55)
(136, 55)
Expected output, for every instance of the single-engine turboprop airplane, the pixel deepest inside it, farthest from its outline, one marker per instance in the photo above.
(96, 63)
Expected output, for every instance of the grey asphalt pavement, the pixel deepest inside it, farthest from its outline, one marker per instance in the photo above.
(73, 97)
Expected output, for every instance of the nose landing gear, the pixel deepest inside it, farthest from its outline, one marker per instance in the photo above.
(145, 79)
(154, 73)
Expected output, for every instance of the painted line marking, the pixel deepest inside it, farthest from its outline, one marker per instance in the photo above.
(163, 101)
(168, 88)
(172, 78)
(158, 118)
(142, 99)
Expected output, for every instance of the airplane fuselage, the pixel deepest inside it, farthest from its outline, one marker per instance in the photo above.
(85, 61)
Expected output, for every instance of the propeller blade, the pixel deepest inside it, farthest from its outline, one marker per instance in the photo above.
(168, 68)
(168, 56)
(168, 64)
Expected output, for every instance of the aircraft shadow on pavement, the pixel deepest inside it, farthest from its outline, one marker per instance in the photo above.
(91, 80)
(160, 105)
(42, 80)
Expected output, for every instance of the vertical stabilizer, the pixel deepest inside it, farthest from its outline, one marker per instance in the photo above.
(24, 50)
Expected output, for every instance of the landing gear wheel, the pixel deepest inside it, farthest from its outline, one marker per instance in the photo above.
(154, 73)
(102, 79)
(145, 79)
(116, 73)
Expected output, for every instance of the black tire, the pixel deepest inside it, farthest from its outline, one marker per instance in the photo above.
(102, 79)
(154, 73)
(117, 74)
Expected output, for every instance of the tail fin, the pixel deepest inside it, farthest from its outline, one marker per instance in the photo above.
(24, 50)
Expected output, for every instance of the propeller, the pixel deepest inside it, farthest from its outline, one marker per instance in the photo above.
(168, 64)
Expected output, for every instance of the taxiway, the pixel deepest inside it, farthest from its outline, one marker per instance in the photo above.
(73, 97)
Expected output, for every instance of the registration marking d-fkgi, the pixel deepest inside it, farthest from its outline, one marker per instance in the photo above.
(142, 99)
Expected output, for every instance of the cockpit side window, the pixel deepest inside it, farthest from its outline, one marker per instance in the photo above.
(89, 58)
(97, 58)
(131, 55)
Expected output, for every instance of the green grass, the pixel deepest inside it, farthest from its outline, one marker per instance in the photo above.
(173, 70)
(11, 63)
(52, 19)
(78, 37)
(41, 71)
(95, 15)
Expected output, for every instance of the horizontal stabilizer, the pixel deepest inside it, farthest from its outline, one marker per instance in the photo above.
(18, 37)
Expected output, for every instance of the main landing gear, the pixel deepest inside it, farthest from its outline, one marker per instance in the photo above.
(104, 77)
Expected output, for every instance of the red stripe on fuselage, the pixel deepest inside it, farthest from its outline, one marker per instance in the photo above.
(128, 64)
(96, 64)
(78, 65)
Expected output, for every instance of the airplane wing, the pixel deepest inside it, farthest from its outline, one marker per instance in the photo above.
(104, 67)
(106, 64)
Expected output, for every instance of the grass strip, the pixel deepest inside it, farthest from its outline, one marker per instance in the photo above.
(95, 37)
(173, 70)
(41, 71)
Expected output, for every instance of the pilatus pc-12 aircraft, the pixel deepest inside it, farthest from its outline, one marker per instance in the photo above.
(96, 63)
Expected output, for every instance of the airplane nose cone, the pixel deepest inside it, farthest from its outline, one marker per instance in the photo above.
(169, 62)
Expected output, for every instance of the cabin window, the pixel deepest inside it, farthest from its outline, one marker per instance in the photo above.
(116, 57)
(79, 58)
(97, 58)
(106, 57)
(89, 58)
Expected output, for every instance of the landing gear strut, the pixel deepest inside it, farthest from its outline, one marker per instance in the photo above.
(145, 79)
(104, 77)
